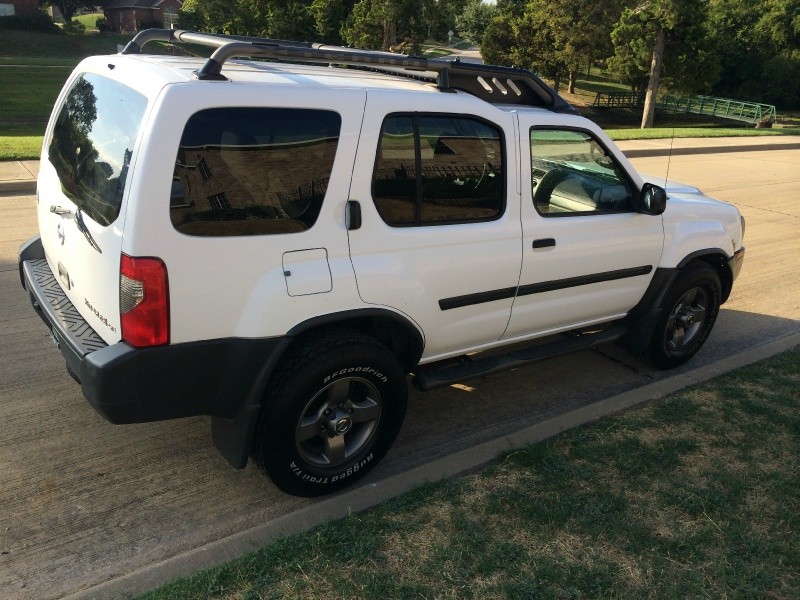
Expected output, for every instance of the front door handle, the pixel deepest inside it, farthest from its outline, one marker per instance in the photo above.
(544, 243)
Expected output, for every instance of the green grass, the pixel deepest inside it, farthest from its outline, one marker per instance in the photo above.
(20, 147)
(596, 82)
(36, 45)
(697, 132)
(89, 21)
(694, 496)
(33, 69)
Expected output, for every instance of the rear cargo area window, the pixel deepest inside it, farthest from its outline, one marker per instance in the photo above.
(92, 144)
(253, 171)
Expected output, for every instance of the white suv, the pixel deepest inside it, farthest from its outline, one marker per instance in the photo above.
(278, 243)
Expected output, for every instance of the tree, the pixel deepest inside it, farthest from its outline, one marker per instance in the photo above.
(664, 35)
(328, 18)
(759, 50)
(381, 24)
(553, 38)
(499, 39)
(68, 8)
(472, 22)
(439, 17)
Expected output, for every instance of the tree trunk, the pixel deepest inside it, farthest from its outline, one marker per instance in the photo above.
(573, 75)
(652, 85)
(389, 34)
(556, 82)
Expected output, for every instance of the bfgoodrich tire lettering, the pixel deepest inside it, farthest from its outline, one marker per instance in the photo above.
(333, 410)
(690, 309)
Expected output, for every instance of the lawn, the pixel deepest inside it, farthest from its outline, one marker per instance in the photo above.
(697, 132)
(693, 496)
(33, 69)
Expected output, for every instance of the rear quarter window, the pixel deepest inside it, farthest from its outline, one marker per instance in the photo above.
(92, 143)
(253, 171)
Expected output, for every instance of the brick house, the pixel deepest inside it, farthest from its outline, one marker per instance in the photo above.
(127, 15)
(18, 7)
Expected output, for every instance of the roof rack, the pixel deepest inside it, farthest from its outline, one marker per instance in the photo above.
(498, 85)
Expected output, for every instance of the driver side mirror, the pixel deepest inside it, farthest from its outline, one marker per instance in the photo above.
(652, 200)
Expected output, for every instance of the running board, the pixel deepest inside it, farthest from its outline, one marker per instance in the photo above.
(436, 375)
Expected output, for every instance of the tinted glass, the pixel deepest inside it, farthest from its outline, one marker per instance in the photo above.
(92, 144)
(395, 182)
(457, 177)
(571, 173)
(253, 171)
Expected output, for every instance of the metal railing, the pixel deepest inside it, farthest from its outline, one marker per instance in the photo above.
(618, 100)
(725, 108)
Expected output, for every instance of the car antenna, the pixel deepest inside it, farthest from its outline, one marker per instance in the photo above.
(669, 157)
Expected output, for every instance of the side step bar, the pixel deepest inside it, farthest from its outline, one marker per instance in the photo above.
(436, 375)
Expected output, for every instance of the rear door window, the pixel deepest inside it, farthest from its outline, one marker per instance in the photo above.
(92, 144)
(438, 170)
(253, 171)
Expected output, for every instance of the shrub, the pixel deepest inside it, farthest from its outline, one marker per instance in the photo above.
(36, 22)
(150, 25)
(74, 27)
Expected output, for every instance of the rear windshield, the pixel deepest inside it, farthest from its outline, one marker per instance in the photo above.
(92, 144)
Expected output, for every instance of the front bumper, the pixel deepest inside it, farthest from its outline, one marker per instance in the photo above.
(735, 262)
(132, 385)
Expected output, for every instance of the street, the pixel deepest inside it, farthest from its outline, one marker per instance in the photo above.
(84, 501)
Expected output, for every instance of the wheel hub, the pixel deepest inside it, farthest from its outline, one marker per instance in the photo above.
(340, 424)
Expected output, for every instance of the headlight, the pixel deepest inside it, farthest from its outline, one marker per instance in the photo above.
(742, 218)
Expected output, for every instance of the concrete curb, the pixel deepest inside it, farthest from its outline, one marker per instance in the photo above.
(359, 499)
(18, 187)
(653, 152)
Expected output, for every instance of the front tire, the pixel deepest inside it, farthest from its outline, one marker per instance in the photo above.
(689, 311)
(335, 407)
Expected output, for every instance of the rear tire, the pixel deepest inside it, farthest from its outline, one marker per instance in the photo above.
(690, 309)
(332, 411)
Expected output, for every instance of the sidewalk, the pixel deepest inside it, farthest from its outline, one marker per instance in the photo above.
(19, 176)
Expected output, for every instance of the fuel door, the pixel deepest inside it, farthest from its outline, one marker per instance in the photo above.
(307, 272)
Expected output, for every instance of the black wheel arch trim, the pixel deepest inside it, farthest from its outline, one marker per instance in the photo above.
(346, 317)
(643, 318)
(233, 436)
(705, 253)
(728, 266)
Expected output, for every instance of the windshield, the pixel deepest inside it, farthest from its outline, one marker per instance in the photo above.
(92, 144)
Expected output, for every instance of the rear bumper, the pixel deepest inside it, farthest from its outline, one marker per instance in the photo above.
(131, 385)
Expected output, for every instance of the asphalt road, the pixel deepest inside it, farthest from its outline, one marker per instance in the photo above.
(84, 501)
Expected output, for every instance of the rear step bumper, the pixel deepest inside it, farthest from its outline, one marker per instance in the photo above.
(429, 377)
(133, 385)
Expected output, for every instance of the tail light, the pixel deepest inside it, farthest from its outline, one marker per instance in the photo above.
(143, 301)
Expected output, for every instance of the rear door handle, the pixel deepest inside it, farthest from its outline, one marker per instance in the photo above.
(544, 243)
(353, 215)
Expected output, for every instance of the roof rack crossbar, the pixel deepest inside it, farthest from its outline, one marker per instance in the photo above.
(474, 78)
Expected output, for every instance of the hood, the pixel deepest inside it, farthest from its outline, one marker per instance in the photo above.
(672, 187)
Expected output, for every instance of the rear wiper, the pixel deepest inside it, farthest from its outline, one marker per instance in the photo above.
(85, 230)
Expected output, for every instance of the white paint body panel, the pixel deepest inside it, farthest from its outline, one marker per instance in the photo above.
(585, 244)
(411, 268)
